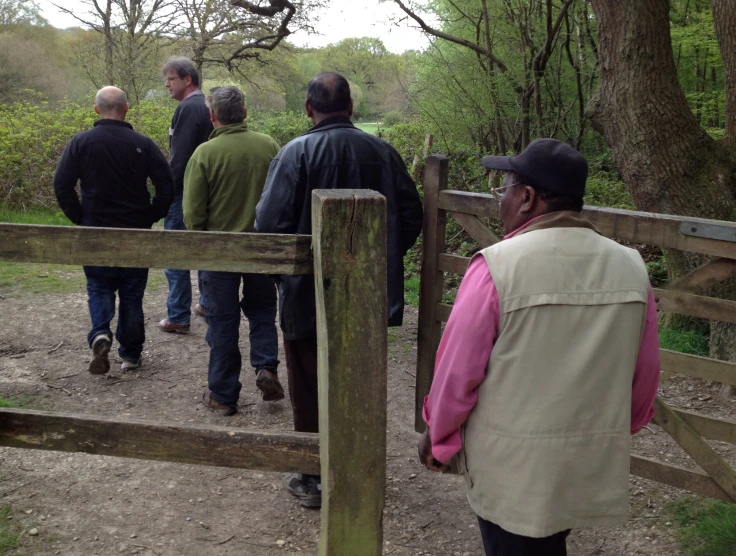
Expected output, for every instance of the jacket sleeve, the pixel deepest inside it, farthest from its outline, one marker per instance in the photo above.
(410, 206)
(185, 138)
(276, 212)
(163, 183)
(196, 195)
(65, 182)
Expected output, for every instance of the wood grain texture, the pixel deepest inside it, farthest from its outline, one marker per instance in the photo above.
(159, 441)
(431, 282)
(349, 230)
(223, 251)
(690, 441)
(698, 367)
(696, 482)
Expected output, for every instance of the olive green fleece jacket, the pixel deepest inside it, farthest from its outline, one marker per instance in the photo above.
(224, 179)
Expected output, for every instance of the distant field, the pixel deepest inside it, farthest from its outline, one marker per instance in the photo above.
(369, 127)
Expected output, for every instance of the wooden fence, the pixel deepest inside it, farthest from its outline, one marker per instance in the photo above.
(347, 254)
(709, 237)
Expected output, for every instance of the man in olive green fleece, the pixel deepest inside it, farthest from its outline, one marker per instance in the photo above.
(222, 185)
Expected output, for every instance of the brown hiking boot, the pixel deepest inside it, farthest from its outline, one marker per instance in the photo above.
(221, 408)
(167, 326)
(100, 364)
(268, 383)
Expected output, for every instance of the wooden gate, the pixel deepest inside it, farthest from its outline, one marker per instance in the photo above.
(708, 237)
(347, 253)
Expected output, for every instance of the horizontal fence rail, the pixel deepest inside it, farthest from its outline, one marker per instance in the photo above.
(662, 230)
(150, 440)
(219, 251)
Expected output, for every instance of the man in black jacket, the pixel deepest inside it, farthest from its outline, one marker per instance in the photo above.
(334, 154)
(113, 163)
(190, 127)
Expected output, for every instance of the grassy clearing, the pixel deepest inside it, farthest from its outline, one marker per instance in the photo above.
(372, 128)
(705, 527)
(48, 278)
(9, 537)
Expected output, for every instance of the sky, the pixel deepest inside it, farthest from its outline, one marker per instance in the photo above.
(343, 19)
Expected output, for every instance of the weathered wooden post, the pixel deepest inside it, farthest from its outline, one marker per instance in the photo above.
(431, 282)
(349, 242)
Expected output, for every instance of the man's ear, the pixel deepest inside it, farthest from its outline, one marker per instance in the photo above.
(213, 118)
(529, 199)
(308, 108)
(245, 114)
(350, 108)
(97, 110)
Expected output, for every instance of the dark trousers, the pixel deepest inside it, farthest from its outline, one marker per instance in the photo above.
(301, 366)
(258, 303)
(499, 542)
(130, 284)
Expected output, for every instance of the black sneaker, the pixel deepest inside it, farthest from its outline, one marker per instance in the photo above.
(308, 488)
(100, 364)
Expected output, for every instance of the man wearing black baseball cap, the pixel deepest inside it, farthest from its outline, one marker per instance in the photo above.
(548, 363)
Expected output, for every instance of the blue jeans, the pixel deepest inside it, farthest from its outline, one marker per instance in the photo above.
(130, 284)
(221, 290)
(180, 286)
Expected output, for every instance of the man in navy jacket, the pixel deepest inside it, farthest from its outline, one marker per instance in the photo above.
(112, 164)
(190, 127)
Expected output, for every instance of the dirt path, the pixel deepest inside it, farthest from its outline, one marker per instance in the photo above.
(92, 505)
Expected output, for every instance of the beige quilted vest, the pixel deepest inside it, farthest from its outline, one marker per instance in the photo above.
(547, 447)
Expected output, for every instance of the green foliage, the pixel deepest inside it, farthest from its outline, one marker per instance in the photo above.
(282, 126)
(607, 190)
(705, 527)
(371, 128)
(9, 537)
(34, 134)
(392, 117)
(690, 338)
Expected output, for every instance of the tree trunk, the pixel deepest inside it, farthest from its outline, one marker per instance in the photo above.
(668, 161)
(724, 19)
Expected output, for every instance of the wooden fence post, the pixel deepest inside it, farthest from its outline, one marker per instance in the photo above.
(349, 242)
(431, 282)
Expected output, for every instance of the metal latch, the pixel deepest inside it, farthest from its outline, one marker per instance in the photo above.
(721, 232)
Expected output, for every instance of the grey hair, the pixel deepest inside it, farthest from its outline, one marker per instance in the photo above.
(228, 104)
(183, 68)
(111, 100)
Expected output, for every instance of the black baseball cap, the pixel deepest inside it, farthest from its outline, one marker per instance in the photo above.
(547, 164)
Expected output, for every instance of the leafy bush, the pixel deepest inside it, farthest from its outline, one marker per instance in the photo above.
(282, 126)
(33, 136)
(392, 118)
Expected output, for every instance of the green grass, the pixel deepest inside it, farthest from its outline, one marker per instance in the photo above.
(13, 402)
(48, 278)
(369, 128)
(693, 341)
(36, 216)
(705, 527)
(8, 536)
(411, 291)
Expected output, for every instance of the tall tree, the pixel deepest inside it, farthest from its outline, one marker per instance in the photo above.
(668, 160)
(133, 33)
(20, 12)
(500, 56)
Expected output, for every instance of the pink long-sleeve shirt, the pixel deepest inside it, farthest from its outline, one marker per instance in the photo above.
(465, 349)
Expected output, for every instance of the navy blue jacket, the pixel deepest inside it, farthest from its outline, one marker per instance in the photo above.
(337, 155)
(112, 164)
(190, 127)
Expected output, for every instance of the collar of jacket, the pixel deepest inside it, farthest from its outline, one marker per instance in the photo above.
(106, 121)
(230, 128)
(559, 219)
(332, 123)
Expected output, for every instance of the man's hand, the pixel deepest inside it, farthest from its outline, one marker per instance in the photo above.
(426, 457)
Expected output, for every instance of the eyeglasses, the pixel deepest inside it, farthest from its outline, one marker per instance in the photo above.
(499, 192)
(170, 79)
